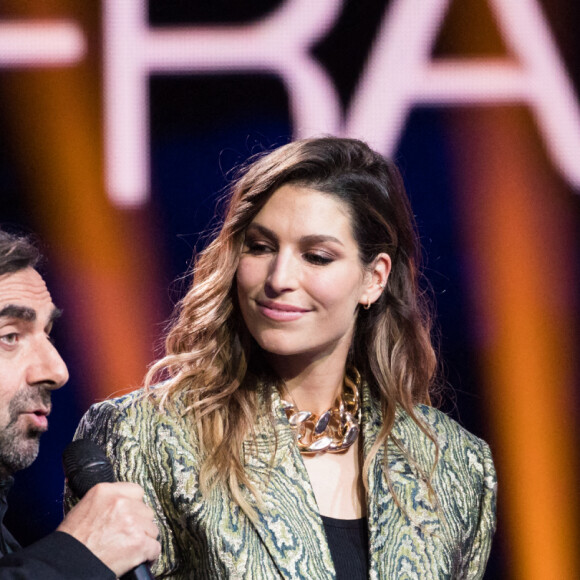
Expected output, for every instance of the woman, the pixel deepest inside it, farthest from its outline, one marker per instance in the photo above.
(292, 436)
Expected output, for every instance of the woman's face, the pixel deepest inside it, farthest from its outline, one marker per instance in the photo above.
(300, 279)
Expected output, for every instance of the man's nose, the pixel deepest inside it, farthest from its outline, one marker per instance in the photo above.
(46, 366)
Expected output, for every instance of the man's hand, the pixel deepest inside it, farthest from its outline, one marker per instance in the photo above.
(113, 522)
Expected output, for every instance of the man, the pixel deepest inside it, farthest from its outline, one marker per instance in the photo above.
(111, 530)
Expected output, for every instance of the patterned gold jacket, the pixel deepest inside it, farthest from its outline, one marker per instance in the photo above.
(212, 538)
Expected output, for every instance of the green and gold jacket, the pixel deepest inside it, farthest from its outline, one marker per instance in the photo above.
(212, 538)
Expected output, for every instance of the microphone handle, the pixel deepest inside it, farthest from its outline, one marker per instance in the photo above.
(86, 464)
(141, 572)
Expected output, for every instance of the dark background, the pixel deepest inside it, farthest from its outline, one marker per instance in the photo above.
(201, 127)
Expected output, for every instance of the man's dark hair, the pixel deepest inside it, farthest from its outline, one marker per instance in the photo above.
(17, 253)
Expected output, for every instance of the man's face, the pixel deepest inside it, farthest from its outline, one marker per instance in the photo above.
(30, 367)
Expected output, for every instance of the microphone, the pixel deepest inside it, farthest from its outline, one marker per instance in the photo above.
(86, 464)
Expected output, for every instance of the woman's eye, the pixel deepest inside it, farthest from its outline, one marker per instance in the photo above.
(318, 259)
(258, 248)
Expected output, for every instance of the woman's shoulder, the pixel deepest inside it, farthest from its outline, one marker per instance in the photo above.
(446, 428)
(126, 413)
(128, 404)
(459, 449)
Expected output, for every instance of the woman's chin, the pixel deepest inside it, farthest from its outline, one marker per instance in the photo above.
(277, 349)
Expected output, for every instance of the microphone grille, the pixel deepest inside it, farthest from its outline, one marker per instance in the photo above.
(86, 464)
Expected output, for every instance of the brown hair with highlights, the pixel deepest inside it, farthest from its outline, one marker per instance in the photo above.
(211, 359)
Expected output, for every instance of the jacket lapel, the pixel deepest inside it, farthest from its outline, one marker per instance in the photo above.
(288, 521)
(380, 503)
(400, 536)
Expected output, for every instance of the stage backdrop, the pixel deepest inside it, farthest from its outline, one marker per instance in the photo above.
(120, 124)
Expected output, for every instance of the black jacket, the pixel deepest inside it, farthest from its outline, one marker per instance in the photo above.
(58, 556)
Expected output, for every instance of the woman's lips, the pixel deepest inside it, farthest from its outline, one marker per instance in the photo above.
(281, 312)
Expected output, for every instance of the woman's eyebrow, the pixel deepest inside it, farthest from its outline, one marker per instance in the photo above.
(319, 238)
(309, 239)
(261, 229)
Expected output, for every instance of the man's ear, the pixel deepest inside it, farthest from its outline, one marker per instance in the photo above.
(377, 278)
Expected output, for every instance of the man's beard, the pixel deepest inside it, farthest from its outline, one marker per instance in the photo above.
(19, 443)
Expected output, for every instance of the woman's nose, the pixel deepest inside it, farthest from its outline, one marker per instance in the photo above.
(284, 273)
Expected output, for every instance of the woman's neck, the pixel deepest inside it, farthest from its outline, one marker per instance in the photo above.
(311, 387)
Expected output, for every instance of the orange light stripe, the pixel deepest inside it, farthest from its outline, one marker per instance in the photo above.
(518, 229)
(103, 254)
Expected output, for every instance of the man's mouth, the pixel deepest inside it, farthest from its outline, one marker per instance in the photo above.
(38, 417)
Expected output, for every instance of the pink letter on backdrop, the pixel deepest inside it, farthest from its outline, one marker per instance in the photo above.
(398, 75)
(401, 74)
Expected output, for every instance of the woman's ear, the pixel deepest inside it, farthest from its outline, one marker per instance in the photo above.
(376, 279)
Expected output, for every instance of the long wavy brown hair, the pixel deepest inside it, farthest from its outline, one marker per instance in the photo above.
(211, 360)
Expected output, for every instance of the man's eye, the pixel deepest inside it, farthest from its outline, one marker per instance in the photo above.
(10, 339)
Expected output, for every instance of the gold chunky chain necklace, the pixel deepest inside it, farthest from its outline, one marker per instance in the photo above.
(335, 430)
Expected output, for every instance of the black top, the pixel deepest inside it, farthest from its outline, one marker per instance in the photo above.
(348, 541)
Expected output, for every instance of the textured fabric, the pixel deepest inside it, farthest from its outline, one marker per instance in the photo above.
(212, 537)
(348, 542)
